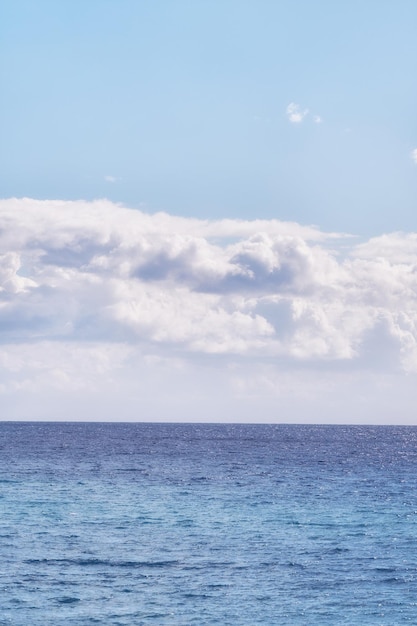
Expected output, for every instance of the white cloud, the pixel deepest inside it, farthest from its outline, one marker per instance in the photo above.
(111, 179)
(115, 381)
(414, 155)
(295, 113)
(102, 299)
(397, 248)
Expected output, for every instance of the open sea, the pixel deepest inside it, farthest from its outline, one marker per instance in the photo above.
(180, 524)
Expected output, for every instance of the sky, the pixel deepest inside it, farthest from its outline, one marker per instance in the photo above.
(207, 210)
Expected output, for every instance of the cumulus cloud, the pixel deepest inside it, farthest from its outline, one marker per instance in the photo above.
(295, 113)
(95, 296)
(414, 155)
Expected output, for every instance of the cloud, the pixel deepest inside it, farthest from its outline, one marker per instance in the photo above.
(103, 299)
(396, 248)
(115, 381)
(414, 155)
(111, 179)
(295, 114)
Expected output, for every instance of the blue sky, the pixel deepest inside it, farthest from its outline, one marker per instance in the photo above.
(181, 106)
(207, 210)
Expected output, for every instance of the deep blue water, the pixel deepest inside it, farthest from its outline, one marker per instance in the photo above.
(131, 524)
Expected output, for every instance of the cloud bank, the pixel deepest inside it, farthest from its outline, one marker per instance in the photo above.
(116, 309)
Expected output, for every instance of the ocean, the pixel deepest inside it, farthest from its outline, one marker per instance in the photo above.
(180, 524)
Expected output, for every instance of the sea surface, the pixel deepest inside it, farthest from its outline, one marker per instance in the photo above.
(180, 524)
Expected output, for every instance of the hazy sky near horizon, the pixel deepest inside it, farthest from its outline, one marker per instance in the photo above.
(214, 213)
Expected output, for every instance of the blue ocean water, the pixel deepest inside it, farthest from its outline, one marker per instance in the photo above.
(180, 524)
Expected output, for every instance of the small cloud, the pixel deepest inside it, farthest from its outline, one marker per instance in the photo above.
(317, 119)
(111, 179)
(295, 114)
(414, 155)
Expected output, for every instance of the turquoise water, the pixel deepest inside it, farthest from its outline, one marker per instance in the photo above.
(130, 524)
